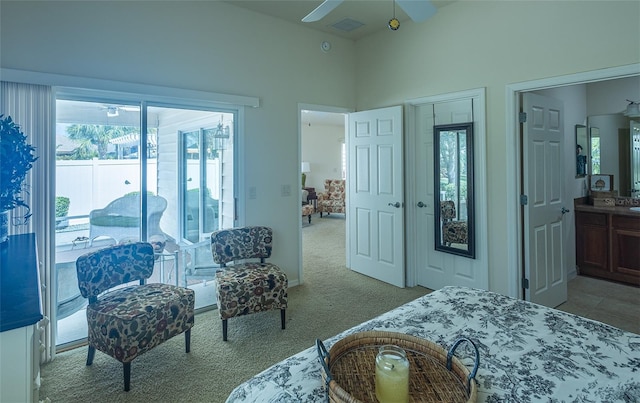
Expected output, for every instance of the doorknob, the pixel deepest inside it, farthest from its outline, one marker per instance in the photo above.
(421, 204)
(396, 204)
(564, 211)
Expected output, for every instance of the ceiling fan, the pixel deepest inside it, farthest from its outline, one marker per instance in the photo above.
(632, 110)
(114, 110)
(417, 10)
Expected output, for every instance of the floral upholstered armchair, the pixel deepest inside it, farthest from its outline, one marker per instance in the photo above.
(452, 231)
(126, 322)
(333, 199)
(244, 286)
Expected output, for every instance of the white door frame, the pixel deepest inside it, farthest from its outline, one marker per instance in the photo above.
(320, 108)
(514, 184)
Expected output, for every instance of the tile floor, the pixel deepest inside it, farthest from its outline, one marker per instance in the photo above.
(605, 301)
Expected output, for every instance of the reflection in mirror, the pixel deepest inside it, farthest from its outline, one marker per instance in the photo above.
(594, 134)
(454, 201)
(581, 151)
(635, 158)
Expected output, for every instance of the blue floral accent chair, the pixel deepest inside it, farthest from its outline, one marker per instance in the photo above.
(128, 321)
(250, 286)
(452, 231)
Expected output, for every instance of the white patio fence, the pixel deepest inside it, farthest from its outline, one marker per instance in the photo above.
(92, 184)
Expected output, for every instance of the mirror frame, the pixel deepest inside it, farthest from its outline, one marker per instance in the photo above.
(582, 140)
(470, 251)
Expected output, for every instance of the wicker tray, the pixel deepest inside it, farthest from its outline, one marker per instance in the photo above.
(435, 374)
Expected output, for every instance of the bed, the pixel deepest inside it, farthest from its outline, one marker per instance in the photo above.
(528, 353)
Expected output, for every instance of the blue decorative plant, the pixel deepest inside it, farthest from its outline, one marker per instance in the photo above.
(16, 159)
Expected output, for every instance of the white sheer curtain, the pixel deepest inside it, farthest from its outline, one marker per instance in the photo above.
(33, 108)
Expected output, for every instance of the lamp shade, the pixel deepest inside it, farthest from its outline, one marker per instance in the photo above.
(306, 167)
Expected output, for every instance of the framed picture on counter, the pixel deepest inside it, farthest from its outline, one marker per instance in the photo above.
(601, 183)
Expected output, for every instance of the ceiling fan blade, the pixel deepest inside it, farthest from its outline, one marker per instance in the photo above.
(322, 10)
(417, 10)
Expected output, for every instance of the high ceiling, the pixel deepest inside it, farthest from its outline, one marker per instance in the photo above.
(374, 14)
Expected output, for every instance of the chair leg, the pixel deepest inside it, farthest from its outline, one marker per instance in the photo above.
(126, 366)
(309, 218)
(187, 340)
(90, 355)
(224, 329)
(282, 317)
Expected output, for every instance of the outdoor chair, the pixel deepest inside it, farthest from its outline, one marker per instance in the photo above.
(452, 231)
(251, 286)
(120, 219)
(128, 321)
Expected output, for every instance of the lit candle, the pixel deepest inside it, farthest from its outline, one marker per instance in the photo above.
(392, 375)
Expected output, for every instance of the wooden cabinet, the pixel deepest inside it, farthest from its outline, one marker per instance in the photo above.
(592, 242)
(626, 245)
(608, 243)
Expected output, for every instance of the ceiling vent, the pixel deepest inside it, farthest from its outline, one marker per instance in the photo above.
(347, 25)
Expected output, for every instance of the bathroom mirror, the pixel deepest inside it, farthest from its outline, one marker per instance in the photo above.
(582, 151)
(454, 196)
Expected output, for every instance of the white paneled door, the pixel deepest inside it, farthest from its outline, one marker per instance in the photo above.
(437, 269)
(544, 209)
(375, 197)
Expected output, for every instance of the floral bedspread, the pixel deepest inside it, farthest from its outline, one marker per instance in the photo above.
(528, 353)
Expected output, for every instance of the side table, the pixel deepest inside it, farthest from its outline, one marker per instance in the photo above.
(162, 258)
(312, 197)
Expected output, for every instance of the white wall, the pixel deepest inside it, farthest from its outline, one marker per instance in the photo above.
(322, 148)
(214, 46)
(490, 44)
(207, 46)
(608, 97)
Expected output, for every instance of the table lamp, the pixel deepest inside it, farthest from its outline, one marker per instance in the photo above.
(305, 168)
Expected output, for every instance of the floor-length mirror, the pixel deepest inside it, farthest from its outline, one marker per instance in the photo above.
(454, 204)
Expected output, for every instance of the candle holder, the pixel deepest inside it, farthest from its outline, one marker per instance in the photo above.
(392, 375)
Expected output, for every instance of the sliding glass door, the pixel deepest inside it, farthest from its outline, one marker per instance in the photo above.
(129, 171)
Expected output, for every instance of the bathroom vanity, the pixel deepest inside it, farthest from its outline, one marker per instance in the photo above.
(608, 242)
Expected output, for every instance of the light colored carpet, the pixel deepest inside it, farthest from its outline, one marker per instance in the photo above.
(331, 300)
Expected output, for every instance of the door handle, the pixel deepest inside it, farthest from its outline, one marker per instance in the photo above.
(421, 204)
(396, 204)
(564, 211)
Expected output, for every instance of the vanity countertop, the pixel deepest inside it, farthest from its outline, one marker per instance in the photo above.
(617, 210)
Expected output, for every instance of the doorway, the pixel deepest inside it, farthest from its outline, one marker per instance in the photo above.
(322, 153)
(517, 254)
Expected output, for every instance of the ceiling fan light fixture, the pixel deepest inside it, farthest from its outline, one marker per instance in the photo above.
(394, 24)
(633, 109)
(112, 112)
